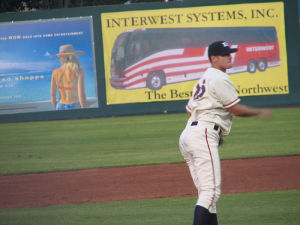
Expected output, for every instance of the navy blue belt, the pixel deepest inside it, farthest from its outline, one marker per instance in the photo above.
(216, 127)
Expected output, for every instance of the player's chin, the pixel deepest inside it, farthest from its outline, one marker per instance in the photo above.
(229, 66)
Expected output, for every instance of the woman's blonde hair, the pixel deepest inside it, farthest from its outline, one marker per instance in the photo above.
(72, 62)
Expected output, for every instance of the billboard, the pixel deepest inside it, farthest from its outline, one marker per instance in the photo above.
(47, 63)
(158, 55)
(299, 11)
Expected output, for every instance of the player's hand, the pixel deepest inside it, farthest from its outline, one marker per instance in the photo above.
(265, 114)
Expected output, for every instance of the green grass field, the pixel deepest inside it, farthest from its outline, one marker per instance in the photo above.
(262, 208)
(137, 140)
(122, 141)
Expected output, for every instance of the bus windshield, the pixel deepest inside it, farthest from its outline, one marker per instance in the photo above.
(118, 54)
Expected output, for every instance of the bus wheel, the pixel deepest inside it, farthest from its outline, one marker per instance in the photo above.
(262, 64)
(156, 80)
(251, 68)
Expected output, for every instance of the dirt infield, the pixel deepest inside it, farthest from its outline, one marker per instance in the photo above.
(142, 182)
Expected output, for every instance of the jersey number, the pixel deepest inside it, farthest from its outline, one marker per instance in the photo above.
(200, 90)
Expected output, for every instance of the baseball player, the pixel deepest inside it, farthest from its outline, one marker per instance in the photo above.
(211, 107)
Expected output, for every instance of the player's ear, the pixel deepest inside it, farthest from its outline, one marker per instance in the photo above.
(214, 59)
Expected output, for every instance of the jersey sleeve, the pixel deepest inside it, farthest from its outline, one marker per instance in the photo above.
(226, 92)
(188, 107)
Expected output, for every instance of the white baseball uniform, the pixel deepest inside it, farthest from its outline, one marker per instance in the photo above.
(199, 141)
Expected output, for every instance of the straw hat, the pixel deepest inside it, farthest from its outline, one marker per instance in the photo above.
(68, 50)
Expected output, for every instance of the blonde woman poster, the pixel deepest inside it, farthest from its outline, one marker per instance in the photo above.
(68, 79)
(28, 67)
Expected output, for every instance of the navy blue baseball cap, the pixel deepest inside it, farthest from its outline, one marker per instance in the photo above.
(220, 48)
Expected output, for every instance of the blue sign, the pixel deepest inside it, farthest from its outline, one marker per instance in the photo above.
(299, 10)
(27, 60)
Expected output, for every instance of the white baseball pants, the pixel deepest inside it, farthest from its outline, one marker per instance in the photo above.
(199, 147)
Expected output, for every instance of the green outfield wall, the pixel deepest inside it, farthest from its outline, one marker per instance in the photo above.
(30, 40)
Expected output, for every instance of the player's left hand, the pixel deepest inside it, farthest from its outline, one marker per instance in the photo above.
(265, 114)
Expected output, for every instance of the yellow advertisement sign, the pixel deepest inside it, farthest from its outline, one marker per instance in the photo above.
(158, 55)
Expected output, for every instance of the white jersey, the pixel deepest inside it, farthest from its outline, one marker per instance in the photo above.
(212, 95)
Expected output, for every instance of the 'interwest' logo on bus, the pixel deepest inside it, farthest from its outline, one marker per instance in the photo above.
(260, 48)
